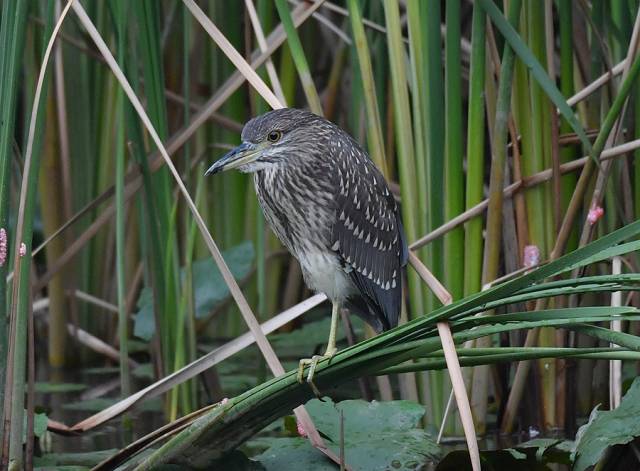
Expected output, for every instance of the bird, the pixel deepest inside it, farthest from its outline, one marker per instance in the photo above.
(331, 207)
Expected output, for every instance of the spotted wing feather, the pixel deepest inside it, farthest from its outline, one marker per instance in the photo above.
(368, 236)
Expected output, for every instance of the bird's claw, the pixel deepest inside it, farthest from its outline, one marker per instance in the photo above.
(313, 364)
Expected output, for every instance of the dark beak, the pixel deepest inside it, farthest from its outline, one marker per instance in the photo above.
(243, 154)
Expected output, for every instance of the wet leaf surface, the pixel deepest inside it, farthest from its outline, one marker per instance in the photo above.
(377, 436)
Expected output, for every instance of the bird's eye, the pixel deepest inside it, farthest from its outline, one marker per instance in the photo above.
(274, 136)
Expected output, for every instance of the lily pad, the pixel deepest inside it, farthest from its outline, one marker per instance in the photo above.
(377, 436)
(284, 451)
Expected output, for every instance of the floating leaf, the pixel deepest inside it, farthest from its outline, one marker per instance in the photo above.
(608, 428)
(377, 436)
(284, 451)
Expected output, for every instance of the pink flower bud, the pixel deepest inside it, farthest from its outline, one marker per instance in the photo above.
(595, 213)
(531, 256)
(23, 249)
(3, 246)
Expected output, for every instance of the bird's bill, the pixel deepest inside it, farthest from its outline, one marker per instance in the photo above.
(243, 154)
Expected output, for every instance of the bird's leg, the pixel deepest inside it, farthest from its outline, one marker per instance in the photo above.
(331, 350)
(331, 344)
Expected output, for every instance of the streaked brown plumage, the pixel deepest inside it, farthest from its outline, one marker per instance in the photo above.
(330, 206)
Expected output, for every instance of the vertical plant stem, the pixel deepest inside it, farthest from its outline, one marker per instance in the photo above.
(499, 151)
(123, 334)
(434, 137)
(538, 200)
(494, 212)
(51, 210)
(160, 196)
(420, 96)
(475, 153)
(374, 126)
(567, 153)
(474, 193)
(299, 58)
(453, 167)
(454, 187)
(189, 251)
(404, 143)
(12, 34)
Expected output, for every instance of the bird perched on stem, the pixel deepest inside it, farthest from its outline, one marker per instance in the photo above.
(331, 207)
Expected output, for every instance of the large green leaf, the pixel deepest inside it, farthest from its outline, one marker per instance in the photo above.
(210, 290)
(608, 428)
(209, 286)
(377, 436)
(284, 451)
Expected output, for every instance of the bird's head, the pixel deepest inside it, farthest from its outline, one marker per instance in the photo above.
(275, 139)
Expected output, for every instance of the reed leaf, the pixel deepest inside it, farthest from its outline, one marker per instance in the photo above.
(299, 58)
(374, 126)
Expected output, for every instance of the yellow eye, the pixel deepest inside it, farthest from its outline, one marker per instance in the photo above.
(274, 136)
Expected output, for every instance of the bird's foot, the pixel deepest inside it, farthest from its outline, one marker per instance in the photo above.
(313, 364)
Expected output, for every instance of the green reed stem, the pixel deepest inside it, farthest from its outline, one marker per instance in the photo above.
(454, 178)
(404, 139)
(123, 331)
(13, 21)
(21, 289)
(475, 153)
(494, 212)
(299, 58)
(374, 126)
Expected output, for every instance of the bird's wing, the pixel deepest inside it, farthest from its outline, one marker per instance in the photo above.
(368, 234)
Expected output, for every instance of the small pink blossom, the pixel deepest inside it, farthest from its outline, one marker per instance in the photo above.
(23, 249)
(301, 431)
(595, 213)
(224, 401)
(531, 256)
(3, 246)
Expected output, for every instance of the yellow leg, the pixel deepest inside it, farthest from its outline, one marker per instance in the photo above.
(331, 344)
(331, 350)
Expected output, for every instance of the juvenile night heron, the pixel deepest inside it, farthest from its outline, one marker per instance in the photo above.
(331, 207)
